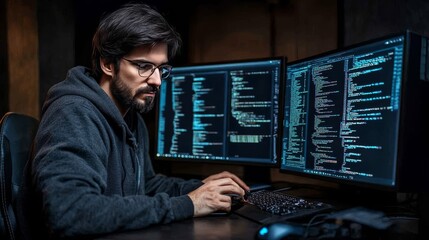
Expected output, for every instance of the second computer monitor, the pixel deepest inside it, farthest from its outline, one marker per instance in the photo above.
(351, 115)
(221, 112)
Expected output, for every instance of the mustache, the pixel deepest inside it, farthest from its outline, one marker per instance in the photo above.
(148, 89)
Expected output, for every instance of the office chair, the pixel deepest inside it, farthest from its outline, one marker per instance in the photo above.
(16, 137)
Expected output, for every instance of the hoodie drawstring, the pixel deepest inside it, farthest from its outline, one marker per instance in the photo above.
(136, 162)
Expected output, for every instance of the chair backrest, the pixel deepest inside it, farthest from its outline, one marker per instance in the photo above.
(17, 132)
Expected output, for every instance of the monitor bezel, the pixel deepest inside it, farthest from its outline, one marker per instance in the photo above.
(403, 168)
(269, 165)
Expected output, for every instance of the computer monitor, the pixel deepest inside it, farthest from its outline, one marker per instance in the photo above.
(223, 112)
(358, 116)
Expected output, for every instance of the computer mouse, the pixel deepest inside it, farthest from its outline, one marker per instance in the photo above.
(236, 203)
(280, 230)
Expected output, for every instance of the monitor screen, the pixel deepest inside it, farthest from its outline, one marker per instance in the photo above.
(343, 116)
(221, 112)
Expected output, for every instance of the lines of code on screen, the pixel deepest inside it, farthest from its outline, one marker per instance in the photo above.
(342, 113)
(222, 112)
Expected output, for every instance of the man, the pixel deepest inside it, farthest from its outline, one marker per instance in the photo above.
(91, 172)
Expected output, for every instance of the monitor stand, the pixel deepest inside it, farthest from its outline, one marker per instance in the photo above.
(257, 177)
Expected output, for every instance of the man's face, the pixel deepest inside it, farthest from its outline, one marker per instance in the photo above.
(129, 88)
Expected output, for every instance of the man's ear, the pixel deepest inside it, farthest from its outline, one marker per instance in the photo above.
(106, 67)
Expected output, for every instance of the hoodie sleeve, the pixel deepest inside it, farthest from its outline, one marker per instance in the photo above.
(156, 183)
(70, 173)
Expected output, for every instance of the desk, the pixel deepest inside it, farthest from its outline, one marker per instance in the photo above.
(229, 226)
(235, 227)
(232, 227)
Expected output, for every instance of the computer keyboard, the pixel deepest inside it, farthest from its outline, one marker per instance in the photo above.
(267, 206)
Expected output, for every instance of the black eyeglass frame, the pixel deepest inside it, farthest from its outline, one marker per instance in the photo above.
(164, 69)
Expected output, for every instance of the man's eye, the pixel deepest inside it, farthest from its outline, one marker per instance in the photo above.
(145, 66)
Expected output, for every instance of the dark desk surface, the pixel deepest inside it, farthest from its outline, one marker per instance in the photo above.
(211, 227)
(232, 226)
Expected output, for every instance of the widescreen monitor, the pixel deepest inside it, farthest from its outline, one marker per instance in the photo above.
(224, 112)
(358, 115)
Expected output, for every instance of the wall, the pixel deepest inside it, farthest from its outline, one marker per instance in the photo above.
(238, 30)
(365, 20)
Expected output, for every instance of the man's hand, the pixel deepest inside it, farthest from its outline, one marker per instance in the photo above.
(212, 196)
(226, 174)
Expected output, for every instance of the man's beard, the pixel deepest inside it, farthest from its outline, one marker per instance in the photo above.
(125, 98)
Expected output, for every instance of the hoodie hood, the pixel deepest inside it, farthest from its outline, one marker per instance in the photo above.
(79, 82)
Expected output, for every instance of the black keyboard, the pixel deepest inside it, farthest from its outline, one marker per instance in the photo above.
(267, 206)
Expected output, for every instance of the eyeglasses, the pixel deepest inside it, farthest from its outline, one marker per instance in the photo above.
(146, 69)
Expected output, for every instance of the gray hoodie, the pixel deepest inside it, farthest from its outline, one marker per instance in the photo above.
(91, 172)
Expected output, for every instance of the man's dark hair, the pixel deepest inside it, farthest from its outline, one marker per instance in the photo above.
(131, 26)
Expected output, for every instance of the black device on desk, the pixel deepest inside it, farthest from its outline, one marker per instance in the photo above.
(354, 223)
(280, 231)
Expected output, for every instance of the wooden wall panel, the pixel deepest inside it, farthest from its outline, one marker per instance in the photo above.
(240, 31)
(4, 76)
(306, 27)
(23, 66)
(230, 31)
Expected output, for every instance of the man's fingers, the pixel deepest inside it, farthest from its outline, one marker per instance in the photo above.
(226, 174)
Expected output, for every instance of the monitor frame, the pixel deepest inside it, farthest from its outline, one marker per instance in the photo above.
(250, 168)
(410, 161)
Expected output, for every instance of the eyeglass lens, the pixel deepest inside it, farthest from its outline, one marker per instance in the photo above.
(147, 69)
